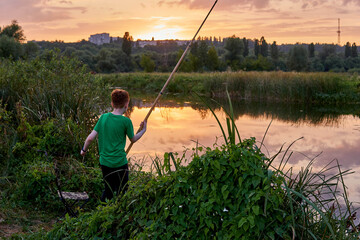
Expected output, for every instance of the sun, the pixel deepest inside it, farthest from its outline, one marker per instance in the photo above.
(161, 32)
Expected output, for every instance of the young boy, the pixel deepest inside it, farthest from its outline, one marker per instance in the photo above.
(112, 129)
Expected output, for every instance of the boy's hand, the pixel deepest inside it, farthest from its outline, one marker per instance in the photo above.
(82, 153)
(143, 125)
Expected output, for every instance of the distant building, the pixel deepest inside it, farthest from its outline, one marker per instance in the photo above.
(143, 43)
(100, 39)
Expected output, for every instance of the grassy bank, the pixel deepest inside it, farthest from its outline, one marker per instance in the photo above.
(324, 88)
(49, 105)
(230, 192)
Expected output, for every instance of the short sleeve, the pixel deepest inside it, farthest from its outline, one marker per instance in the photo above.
(130, 130)
(97, 126)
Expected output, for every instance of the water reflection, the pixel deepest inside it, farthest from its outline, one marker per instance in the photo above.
(286, 112)
(177, 125)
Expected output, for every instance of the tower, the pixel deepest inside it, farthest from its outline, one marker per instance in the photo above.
(338, 31)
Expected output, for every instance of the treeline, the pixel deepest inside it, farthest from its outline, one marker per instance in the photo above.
(206, 54)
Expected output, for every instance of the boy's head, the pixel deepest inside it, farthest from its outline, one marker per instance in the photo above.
(119, 98)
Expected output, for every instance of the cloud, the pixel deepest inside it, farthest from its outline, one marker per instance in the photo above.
(356, 2)
(40, 11)
(223, 5)
(66, 2)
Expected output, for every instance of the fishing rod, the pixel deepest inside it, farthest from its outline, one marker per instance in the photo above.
(172, 74)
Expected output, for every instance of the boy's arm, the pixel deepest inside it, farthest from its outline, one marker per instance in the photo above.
(88, 141)
(139, 134)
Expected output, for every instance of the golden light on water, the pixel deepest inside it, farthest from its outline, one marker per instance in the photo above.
(176, 129)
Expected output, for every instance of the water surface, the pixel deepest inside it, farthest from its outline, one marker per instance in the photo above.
(332, 132)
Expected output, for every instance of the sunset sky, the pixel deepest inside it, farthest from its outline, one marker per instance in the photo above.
(284, 21)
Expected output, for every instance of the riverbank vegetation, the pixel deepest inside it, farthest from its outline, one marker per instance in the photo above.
(48, 105)
(231, 190)
(320, 88)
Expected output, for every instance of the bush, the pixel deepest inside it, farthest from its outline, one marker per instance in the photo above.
(225, 193)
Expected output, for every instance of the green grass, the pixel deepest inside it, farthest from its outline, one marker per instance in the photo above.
(269, 86)
(51, 104)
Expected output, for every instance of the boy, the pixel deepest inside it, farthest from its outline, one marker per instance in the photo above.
(112, 129)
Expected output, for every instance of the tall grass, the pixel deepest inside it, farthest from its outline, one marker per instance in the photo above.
(49, 87)
(270, 86)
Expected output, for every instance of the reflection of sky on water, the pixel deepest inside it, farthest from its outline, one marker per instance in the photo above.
(174, 129)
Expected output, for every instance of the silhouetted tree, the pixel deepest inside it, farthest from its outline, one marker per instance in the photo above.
(127, 42)
(347, 50)
(256, 47)
(311, 50)
(246, 47)
(14, 30)
(274, 51)
(264, 48)
(354, 52)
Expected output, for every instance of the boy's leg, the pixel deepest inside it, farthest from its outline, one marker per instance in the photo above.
(107, 193)
(123, 177)
(116, 180)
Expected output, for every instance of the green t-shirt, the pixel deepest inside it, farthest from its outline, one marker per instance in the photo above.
(112, 130)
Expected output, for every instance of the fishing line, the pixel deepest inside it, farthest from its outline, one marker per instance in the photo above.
(172, 73)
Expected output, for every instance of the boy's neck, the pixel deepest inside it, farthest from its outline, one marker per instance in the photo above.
(119, 111)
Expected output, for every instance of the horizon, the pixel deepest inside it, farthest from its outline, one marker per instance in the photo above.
(286, 22)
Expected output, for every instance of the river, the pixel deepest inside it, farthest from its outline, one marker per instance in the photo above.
(332, 132)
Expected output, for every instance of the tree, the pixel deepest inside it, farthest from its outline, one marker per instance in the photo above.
(121, 61)
(311, 50)
(347, 50)
(298, 58)
(9, 48)
(315, 65)
(185, 65)
(274, 51)
(203, 53)
(212, 59)
(194, 48)
(264, 48)
(14, 30)
(104, 61)
(326, 51)
(256, 48)
(234, 49)
(31, 49)
(334, 63)
(147, 63)
(246, 47)
(354, 52)
(127, 42)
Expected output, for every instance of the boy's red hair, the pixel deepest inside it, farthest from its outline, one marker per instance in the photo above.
(119, 98)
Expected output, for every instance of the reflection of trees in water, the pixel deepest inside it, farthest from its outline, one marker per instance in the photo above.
(289, 113)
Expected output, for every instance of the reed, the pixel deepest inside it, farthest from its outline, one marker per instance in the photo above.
(49, 87)
(269, 86)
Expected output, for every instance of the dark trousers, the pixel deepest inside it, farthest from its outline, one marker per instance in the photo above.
(116, 181)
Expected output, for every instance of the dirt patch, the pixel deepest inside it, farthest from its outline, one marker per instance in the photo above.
(7, 230)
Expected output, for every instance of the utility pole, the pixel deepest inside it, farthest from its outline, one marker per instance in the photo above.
(338, 31)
